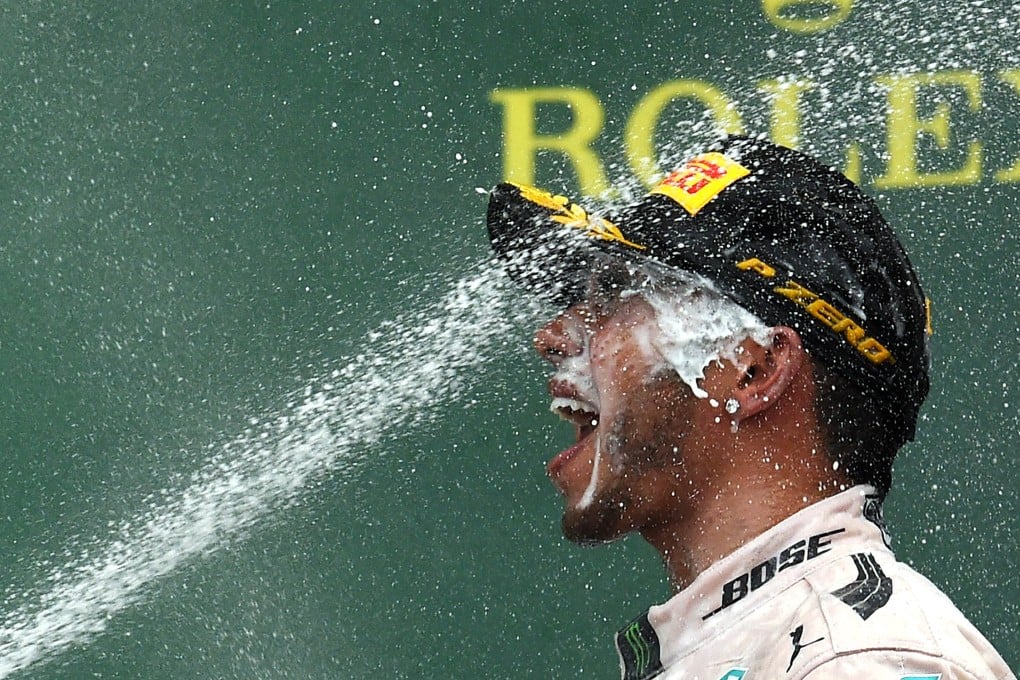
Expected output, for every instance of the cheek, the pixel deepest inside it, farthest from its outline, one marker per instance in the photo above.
(642, 400)
(650, 431)
(631, 374)
(627, 358)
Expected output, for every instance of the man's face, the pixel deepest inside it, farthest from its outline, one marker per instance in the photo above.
(631, 414)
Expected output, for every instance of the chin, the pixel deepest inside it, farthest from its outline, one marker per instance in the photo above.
(599, 523)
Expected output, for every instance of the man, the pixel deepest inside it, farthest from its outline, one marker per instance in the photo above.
(742, 354)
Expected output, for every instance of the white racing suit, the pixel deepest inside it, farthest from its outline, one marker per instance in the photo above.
(818, 596)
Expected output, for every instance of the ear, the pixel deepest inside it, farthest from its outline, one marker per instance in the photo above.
(769, 373)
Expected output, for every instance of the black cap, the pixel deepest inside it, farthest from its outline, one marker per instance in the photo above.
(789, 239)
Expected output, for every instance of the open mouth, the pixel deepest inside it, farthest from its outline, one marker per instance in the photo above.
(584, 416)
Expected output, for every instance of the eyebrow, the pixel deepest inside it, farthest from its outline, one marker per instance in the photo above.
(609, 278)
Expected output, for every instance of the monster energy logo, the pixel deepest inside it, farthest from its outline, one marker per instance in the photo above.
(638, 646)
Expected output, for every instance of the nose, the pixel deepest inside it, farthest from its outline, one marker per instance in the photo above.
(560, 338)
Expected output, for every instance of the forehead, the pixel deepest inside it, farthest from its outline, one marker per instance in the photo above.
(612, 278)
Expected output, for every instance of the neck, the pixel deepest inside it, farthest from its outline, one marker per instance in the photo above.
(736, 508)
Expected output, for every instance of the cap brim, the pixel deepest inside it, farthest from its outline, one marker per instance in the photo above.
(545, 242)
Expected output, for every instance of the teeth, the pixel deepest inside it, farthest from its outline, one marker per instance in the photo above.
(575, 411)
(562, 403)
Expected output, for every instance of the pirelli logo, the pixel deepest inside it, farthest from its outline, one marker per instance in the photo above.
(834, 319)
(700, 180)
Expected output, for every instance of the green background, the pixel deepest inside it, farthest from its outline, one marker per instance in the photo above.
(209, 207)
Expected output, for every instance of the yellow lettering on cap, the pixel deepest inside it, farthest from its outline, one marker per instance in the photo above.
(851, 331)
(834, 320)
(700, 180)
(796, 292)
(874, 350)
(756, 265)
(826, 313)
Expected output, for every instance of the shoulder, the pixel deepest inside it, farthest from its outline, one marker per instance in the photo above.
(881, 615)
(902, 665)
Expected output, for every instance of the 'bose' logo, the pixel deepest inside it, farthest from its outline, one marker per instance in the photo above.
(801, 551)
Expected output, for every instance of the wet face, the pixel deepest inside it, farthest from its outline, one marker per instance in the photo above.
(631, 414)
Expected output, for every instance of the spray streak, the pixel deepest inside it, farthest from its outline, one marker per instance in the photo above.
(589, 493)
(412, 364)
